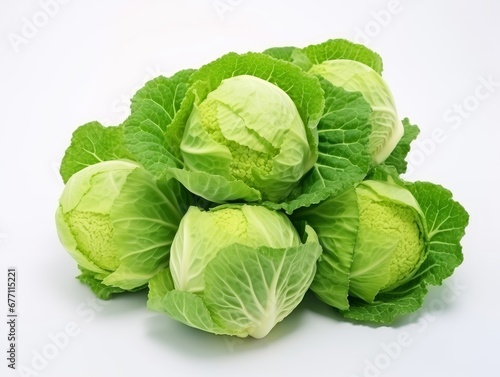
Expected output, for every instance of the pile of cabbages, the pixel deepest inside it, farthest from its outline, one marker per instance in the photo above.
(233, 189)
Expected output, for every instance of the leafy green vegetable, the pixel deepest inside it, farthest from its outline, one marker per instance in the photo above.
(235, 270)
(249, 119)
(118, 224)
(383, 244)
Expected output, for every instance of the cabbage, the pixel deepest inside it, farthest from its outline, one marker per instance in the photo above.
(235, 270)
(244, 131)
(118, 224)
(384, 242)
(353, 76)
(355, 68)
(249, 130)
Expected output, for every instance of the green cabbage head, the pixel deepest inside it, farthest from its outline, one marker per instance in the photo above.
(249, 132)
(235, 270)
(384, 243)
(118, 224)
(354, 76)
(374, 239)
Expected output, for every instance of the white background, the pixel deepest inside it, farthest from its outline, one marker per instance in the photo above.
(83, 62)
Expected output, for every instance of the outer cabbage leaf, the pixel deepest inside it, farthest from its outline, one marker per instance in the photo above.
(399, 154)
(251, 290)
(329, 50)
(102, 291)
(291, 54)
(335, 221)
(152, 110)
(185, 307)
(370, 264)
(216, 187)
(145, 221)
(343, 49)
(90, 144)
(159, 286)
(282, 53)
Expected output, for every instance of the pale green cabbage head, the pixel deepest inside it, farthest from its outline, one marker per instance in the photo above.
(374, 240)
(249, 130)
(117, 223)
(235, 270)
